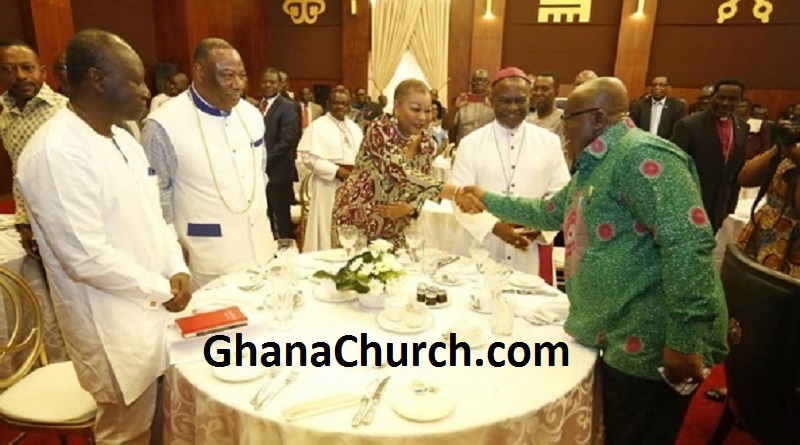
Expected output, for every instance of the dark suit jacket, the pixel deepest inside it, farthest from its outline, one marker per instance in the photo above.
(281, 137)
(697, 135)
(674, 110)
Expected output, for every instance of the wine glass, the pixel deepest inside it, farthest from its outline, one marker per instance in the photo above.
(287, 253)
(348, 235)
(479, 253)
(414, 241)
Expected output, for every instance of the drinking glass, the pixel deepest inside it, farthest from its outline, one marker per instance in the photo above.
(479, 253)
(287, 253)
(283, 301)
(348, 235)
(414, 240)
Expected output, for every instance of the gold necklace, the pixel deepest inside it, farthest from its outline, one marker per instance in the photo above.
(211, 165)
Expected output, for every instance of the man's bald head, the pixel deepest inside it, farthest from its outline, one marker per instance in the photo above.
(607, 93)
(583, 77)
(591, 108)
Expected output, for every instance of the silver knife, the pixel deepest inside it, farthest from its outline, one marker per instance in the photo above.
(375, 399)
(365, 399)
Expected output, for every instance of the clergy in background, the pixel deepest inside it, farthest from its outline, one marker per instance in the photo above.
(516, 158)
(328, 150)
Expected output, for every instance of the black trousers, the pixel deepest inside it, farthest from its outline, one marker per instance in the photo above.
(640, 411)
(280, 198)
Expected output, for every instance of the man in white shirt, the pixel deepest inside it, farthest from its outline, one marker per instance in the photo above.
(207, 148)
(328, 150)
(176, 84)
(513, 157)
(114, 267)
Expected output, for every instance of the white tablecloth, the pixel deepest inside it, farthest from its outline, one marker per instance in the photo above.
(13, 257)
(493, 405)
(731, 227)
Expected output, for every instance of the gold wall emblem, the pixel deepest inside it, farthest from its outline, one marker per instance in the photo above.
(728, 9)
(304, 11)
(557, 11)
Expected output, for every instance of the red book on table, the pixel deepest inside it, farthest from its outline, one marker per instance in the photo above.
(209, 322)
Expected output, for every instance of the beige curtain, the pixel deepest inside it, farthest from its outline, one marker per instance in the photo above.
(430, 41)
(393, 24)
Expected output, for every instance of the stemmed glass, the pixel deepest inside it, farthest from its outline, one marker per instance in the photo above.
(414, 240)
(283, 301)
(479, 253)
(348, 235)
(496, 278)
(287, 253)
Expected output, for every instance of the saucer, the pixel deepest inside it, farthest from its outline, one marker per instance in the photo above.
(247, 281)
(332, 256)
(321, 294)
(526, 281)
(239, 374)
(473, 343)
(440, 305)
(448, 279)
(401, 328)
(422, 406)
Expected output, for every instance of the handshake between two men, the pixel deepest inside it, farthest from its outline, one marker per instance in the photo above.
(470, 200)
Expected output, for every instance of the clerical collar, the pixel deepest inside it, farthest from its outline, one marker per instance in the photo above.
(204, 106)
(509, 131)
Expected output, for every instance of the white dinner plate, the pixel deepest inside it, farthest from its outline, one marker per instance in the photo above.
(422, 407)
(526, 281)
(401, 328)
(239, 374)
(332, 256)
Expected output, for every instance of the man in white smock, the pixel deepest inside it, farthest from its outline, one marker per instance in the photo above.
(114, 267)
(328, 150)
(207, 148)
(516, 158)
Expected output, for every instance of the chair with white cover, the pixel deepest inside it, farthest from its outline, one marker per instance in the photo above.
(46, 399)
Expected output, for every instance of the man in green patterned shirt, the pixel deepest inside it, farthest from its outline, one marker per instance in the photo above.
(640, 274)
(27, 103)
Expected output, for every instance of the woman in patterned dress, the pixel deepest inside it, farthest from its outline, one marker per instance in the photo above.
(390, 181)
(772, 237)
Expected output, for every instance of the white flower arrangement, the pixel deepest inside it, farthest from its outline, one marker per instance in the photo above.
(369, 271)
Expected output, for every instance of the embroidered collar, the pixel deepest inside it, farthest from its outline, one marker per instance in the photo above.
(598, 148)
(204, 106)
(45, 94)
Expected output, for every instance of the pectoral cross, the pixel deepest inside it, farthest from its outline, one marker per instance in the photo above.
(508, 192)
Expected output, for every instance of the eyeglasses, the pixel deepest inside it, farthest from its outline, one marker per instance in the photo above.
(567, 116)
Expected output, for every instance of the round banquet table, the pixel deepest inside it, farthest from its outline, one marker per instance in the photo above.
(505, 405)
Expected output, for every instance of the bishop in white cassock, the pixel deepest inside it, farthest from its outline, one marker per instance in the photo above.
(513, 157)
(328, 150)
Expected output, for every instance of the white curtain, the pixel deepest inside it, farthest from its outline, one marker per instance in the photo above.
(393, 24)
(430, 41)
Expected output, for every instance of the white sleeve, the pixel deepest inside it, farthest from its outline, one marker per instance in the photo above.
(465, 172)
(64, 196)
(323, 168)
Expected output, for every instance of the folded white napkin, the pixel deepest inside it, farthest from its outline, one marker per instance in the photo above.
(320, 405)
(554, 312)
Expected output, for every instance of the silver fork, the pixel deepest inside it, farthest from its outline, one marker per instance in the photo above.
(289, 379)
(265, 384)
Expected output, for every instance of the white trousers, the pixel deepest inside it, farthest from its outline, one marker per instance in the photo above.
(118, 424)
